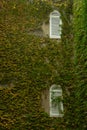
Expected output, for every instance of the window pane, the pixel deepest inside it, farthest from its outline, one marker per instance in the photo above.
(56, 105)
(55, 26)
(56, 108)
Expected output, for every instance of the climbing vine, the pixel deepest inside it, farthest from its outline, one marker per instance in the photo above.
(80, 39)
(29, 64)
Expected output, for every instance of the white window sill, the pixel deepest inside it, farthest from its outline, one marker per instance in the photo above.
(56, 115)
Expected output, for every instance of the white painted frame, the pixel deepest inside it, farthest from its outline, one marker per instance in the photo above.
(59, 91)
(55, 14)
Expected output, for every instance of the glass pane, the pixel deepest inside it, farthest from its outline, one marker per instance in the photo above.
(55, 26)
(56, 108)
(56, 105)
(55, 94)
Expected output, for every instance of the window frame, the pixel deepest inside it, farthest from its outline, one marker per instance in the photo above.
(55, 14)
(59, 90)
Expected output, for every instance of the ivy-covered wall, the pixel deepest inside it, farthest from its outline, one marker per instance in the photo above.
(80, 39)
(30, 64)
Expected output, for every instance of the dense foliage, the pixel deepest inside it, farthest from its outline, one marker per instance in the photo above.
(29, 64)
(80, 38)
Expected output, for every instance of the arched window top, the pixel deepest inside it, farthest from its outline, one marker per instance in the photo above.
(56, 88)
(55, 13)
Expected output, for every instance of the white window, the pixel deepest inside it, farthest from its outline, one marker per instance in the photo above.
(55, 25)
(56, 104)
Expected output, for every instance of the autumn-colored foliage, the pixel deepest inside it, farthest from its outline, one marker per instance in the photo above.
(29, 64)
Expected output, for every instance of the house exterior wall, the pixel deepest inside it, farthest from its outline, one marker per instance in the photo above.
(45, 101)
(23, 63)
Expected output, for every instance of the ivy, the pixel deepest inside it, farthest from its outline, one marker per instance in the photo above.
(80, 30)
(30, 64)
